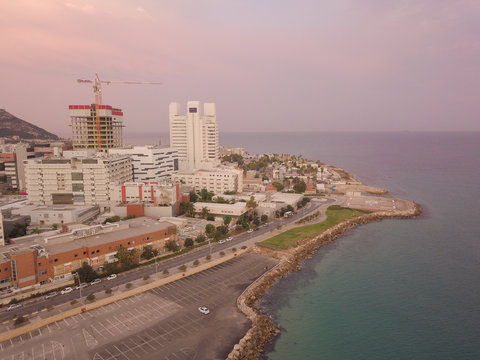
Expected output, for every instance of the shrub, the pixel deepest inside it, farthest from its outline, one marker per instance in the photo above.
(73, 302)
(234, 249)
(128, 285)
(244, 247)
(108, 291)
(19, 320)
(91, 297)
(196, 263)
(208, 257)
(200, 238)
(182, 268)
(146, 277)
(188, 242)
(222, 253)
(165, 272)
(13, 301)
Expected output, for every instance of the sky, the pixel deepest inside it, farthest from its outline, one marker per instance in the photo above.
(269, 65)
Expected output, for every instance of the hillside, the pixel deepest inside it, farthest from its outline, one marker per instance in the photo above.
(10, 125)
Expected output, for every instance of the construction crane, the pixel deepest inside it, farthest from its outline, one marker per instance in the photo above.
(97, 90)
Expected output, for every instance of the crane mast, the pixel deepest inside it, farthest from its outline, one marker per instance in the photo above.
(97, 90)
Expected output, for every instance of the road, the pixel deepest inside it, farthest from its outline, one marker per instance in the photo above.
(35, 305)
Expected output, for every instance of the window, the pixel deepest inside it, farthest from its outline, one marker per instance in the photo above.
(56, 260)
(93, 252)
(98, 251)
(84, 253)
(128, 243)
(39, 264)
(76, 255)
(43, 272)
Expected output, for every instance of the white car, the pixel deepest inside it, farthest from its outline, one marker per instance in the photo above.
(111, 277)
(66, 290)
(204, 310)
(14, 306)
(222, 241)
(51, 294)
(96, 281)
(250, 231)
(229, 238)
(82, 285)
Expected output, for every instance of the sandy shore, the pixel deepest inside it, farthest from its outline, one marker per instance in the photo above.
(263, 328)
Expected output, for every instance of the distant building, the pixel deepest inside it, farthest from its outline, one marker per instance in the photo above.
(151, 163)
(12, 156)
(2, 235)
(215, 180)
(76, 181)
(92, 132)
(236, 209)
(195, 135)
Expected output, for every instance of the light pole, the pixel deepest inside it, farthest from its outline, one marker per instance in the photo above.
(79, 283)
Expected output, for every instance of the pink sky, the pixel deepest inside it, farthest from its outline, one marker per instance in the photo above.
(323, 65)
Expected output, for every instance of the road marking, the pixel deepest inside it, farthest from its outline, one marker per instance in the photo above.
(121, 323)
(66, 322)
(90, 341)
(81, 315)
(99, 333)
(146, 342)
(108, 330)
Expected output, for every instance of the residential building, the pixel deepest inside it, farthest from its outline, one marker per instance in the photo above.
(96, 126)
(151, 163)
(216, 180)
(12, 156)
(195, 135)
(40, 259)
(76, 181)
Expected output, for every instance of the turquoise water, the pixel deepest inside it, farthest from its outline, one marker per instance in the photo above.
(398, 289)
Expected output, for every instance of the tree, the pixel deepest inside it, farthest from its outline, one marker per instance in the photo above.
(220, 200)
(19, 320)
(200, 238)
(18, 231)
(300, 187)
(256, 221)
(171, 245)
(193, 196)
(112, 219)
(128, 258)
(205, 195)
(204, 213)
(211, 217)
(222, 229)
(251, 203)
(289, 208)
(86, 273)
(264, 218)
(188, 242)
(149, 252)
(278, 185)
(110, 268)
(227, 220)
(210, 230)
(187, 208)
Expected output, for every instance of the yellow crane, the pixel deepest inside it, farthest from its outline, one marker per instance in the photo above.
(97, 90)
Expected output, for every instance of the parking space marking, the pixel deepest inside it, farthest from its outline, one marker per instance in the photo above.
(98, 332)
(121, 322)
(66, 322)
(107, 329)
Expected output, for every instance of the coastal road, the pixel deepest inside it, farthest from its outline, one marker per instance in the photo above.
(162, 323)
(249, 239)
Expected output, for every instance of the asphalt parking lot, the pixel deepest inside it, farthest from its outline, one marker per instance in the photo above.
(163, 323)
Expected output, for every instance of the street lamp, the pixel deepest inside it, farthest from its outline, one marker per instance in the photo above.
(79, 283)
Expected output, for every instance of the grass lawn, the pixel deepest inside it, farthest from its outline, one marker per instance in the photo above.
(288, 239)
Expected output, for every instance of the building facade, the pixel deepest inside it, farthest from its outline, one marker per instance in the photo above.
(13, 156)
(151, 163)
(96, 126)
(194, 135)
(218, 181)
(76, 181)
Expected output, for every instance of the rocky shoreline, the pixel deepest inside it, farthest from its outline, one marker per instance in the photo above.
(263, 328)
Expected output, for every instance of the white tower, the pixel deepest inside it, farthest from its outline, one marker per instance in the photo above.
(194, 135)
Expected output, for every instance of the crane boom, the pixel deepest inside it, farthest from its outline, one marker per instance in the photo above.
(97, 90)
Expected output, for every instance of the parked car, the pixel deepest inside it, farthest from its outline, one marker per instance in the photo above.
(229, 238)
(66, 290)
(82, 285)
(223, 241)
(112, 276)
(256, 229)
(250, 231)
(204, 310)
(14, 306)
(51, 294)
(96, 281)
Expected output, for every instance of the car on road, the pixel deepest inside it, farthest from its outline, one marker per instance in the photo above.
(256, 229)
(96, 281)
(229, 238)
(112, 276)
(66, 290)
(14, 306)
(82, 285)
(204, 310)
(51, 294)
(250, 231)
(223, 241)
(265, 225)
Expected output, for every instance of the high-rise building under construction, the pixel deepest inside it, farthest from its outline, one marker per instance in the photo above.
(92, 130)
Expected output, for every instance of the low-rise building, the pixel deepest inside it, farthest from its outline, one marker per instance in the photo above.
(236, 209)
(217, 180)
(40, 259)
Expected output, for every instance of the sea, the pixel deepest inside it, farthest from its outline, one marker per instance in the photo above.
(395, 289)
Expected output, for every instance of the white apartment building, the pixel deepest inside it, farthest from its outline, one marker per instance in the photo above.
(215, 180)
(150, 163)
(195, 135)
(77, 181)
